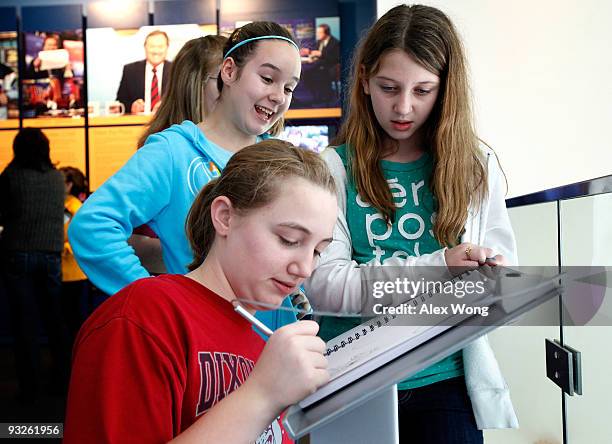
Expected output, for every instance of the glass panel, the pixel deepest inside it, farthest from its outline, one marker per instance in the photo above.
(520, 349)
(586, 236)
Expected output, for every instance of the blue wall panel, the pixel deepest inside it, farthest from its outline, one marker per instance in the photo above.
(356, 17)
(178, 12)
(274, 10)
(51, 18)
(8, 19)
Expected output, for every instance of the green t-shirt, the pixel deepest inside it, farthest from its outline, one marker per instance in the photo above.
(411, 234)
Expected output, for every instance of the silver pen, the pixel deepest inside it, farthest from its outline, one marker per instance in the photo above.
(253, 320)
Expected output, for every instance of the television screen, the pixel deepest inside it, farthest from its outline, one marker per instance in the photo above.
(312, 137)
(53, 77)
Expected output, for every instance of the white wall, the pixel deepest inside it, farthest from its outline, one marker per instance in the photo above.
(542, 83)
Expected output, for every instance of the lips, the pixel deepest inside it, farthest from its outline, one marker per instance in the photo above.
(284, 287)
(402, 125)
(264, 113)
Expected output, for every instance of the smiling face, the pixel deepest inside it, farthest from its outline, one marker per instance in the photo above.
(402, 94)
(260, 92)
(156, 48)
(269, 251)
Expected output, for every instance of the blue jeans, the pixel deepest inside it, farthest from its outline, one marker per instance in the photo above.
(439, 413)
(34, 290)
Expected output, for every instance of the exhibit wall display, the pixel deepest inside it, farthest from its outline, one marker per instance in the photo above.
(78, 71)
(9, 75)
(53, 77)
(115, 55)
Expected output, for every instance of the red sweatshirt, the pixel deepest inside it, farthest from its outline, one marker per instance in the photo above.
(153, 358)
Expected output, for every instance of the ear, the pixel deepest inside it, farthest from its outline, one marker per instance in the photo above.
(221, 211)
(229, 70)
(364, 81)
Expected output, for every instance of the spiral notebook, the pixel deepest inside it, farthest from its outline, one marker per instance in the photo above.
(380, 340)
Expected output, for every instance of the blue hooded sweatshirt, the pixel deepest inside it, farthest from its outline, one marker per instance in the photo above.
(155, 187)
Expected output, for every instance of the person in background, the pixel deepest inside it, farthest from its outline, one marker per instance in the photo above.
(328, 47)
(74, 281)
(325, 62)
(32, 214)
(142, 83)
(191, 95)
(52, 42)
(155, 360)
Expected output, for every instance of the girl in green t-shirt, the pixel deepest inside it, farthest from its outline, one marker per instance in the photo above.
(417, 189)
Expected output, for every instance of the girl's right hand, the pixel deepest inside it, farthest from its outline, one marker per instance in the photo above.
(470, 256)
(291, 366)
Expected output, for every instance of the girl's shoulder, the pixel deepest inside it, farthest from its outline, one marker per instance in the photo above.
(185, 132)
(335, 158)
(342, 151)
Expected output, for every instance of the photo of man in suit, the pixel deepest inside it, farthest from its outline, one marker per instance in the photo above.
(323, 78)
(327, 53)
(142, 82)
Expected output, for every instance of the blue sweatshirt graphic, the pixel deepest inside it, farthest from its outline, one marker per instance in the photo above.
(156, 187)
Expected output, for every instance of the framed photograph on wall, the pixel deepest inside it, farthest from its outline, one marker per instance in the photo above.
(9, 75)
(118, 62)
(53, 77)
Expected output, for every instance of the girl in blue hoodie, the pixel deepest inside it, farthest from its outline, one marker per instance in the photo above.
(260, 69)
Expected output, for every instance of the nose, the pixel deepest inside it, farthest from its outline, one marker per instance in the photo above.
(277, 95)
(301, 267)
(403, 106)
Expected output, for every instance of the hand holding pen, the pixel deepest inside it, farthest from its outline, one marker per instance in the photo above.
(291, 365)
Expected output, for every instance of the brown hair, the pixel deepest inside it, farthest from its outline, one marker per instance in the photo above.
(77, 178)
(251, 180)
(242, 54)
(157, 32)
(429, 37)
(31, 150)
(325, 28)
(184, 96)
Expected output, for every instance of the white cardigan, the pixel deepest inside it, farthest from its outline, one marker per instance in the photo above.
(335, 285)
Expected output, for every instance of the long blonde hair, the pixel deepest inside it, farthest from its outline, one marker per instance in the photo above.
(184, 96)
(459, 175)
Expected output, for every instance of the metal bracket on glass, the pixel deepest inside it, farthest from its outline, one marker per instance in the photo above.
(564, 367)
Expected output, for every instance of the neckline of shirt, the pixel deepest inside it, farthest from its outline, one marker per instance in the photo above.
(406, 166)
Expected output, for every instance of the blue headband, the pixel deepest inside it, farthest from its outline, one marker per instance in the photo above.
(252, 39)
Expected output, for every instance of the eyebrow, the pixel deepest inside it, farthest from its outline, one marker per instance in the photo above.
(418, 83)
(301, 228)
(276, 68)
